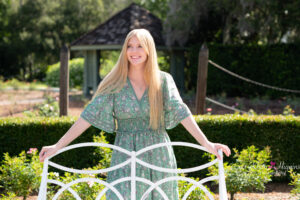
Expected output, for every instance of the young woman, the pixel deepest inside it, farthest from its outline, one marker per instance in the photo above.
(138, 102)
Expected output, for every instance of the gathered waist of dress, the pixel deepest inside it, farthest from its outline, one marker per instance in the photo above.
(146, 130)
(136, 125)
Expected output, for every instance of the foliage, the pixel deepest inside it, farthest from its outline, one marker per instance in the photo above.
(107, 61)
(159, 8)
(86, 190)
(60, 22)
(16, 84)
(75, 72)
(231, 22)
(248, 173)
(288, 110)
(179, 25)
(295, 182)
(48, 109)
(21, 175)
(47, 131)
(34, 31)
(9, 196)
(252, 112)
(103, 153)
(184, 186)
(163, 60)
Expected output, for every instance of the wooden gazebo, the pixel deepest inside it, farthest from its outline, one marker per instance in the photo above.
(110, 36)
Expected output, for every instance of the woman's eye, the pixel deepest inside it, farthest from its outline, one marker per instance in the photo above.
(140, 46)
(128, 46)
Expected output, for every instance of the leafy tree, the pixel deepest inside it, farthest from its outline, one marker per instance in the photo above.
(232, 21)
(32, 32)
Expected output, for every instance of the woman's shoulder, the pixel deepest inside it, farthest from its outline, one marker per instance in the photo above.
(165, 75)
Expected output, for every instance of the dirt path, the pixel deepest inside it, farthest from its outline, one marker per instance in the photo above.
(14, 102)
(274, 191)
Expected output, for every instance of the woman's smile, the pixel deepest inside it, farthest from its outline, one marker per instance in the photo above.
(136, 54)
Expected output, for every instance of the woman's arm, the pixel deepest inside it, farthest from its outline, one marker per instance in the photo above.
(192, 127)
(76, 130)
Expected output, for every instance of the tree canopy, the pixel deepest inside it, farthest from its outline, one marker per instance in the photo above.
(32, 32)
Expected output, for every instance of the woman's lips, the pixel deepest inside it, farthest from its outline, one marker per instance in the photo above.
(135, 57)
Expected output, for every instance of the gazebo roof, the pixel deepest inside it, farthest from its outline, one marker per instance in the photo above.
(113, 32)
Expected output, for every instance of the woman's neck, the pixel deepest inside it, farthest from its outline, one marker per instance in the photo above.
(136, 73)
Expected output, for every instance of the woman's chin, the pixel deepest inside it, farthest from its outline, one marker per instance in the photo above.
(137, 64)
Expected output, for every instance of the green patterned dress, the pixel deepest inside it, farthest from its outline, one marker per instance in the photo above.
(132, 116)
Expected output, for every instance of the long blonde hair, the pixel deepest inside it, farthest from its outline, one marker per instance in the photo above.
(116, 78)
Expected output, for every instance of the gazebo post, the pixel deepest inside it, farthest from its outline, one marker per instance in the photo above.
(177, 68)
(98, 78)
(85, 75)
(91, 72)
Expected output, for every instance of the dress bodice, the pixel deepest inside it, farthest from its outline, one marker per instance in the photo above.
(123, 112)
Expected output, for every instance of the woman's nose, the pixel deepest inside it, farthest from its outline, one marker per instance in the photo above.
(134, 49)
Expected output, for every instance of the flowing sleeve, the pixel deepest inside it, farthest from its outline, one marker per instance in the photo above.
(99, 113)
(175, 110)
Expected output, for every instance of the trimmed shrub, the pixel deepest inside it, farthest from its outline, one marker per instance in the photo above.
(75, 71)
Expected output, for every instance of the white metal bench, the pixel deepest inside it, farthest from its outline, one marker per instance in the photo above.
(133, 178)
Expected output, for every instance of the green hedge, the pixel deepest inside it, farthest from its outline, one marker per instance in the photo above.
(275, 65)
(281, 133)
(19, 134)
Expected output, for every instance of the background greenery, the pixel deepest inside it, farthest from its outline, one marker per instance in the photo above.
(76, 67)
(274, 65)
(32, 32)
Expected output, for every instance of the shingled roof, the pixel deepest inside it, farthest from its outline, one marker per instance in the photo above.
(115, 29)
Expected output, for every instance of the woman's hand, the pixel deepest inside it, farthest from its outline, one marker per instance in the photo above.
(47, 151)
(214, 147)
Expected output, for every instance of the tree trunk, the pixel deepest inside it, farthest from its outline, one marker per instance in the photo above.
(231, 195)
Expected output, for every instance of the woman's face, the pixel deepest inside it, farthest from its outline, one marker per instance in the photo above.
(136, 55)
